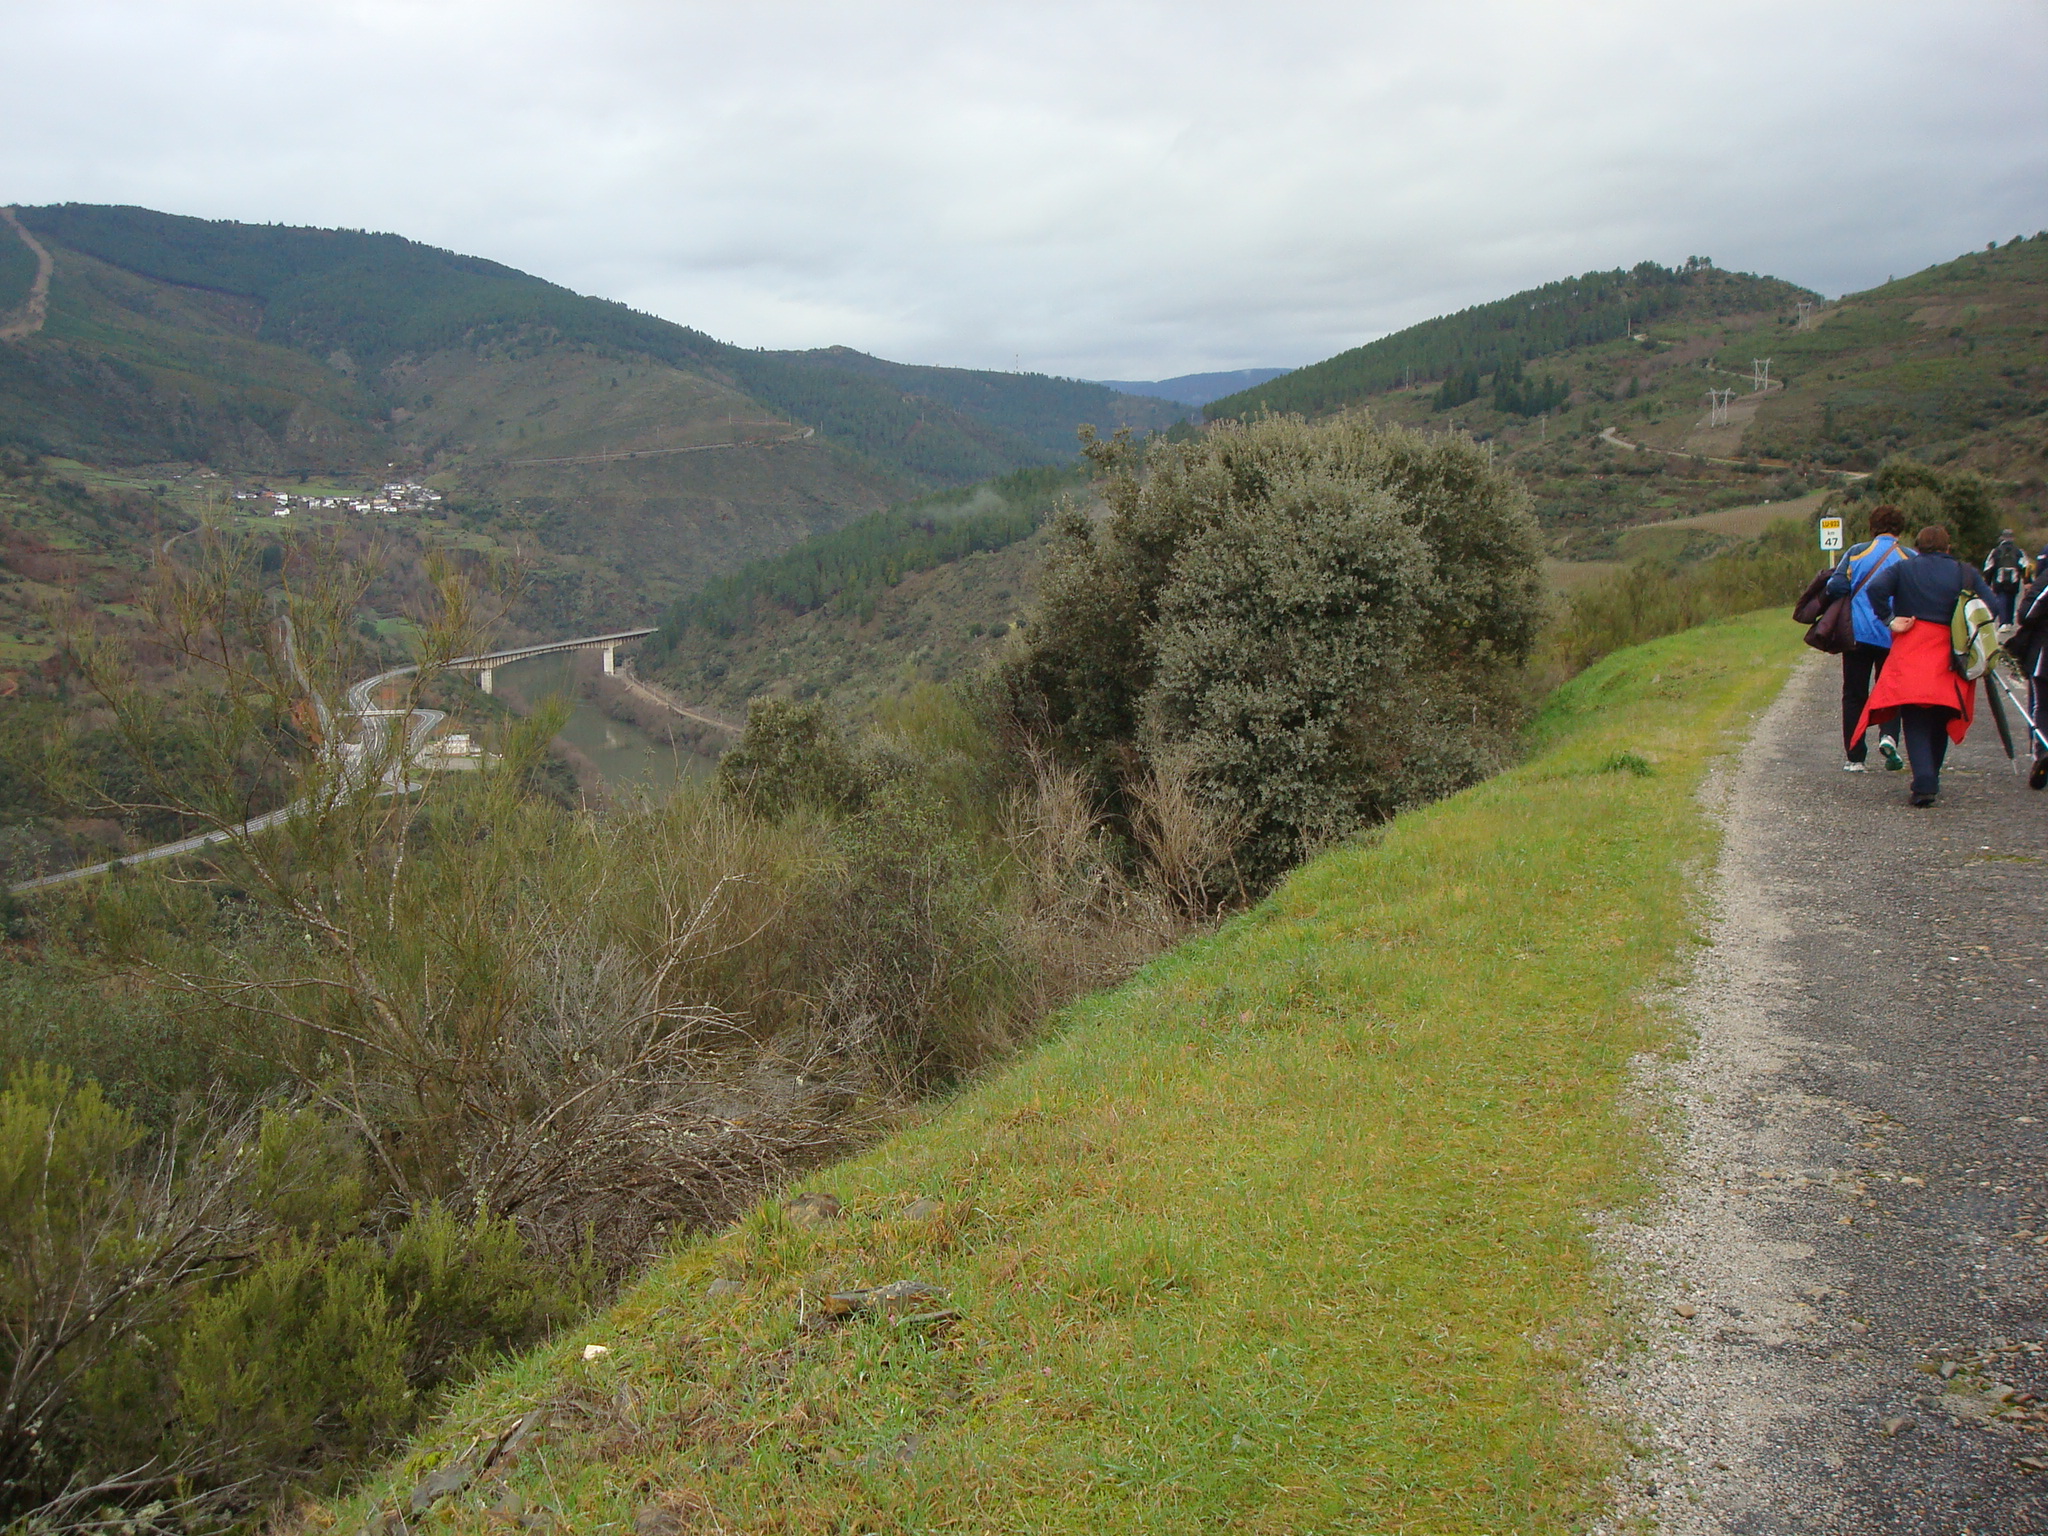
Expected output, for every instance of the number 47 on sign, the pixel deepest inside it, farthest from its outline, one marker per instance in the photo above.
(1831, 533)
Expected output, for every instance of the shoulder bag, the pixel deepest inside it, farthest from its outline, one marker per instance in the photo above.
(1835, 630)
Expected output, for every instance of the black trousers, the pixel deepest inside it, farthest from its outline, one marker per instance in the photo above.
(1926, 732)
(1861, 665)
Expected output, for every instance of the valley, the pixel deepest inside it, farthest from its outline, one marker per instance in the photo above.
(629, 459)
(996, 883)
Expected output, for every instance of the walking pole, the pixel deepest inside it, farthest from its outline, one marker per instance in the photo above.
(2038, 778)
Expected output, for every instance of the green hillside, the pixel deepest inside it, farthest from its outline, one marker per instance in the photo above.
(1288, 1234)
(1923, 362)
(17, 272)
(1522, 328)
(357, 302)
(1947, 365)
(936, 625)
(920, 593)
(624, 459)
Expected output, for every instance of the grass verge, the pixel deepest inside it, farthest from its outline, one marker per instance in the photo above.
(1289, 1234)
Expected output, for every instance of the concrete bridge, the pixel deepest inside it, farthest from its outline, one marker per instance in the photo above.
(485, 665)
(364, 751)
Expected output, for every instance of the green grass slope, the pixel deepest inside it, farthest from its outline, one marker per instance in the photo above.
(1288, 1234)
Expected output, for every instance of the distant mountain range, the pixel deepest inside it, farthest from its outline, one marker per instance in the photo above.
(1561, 382)
(630, 460)
(1195, 388)
(656, 454)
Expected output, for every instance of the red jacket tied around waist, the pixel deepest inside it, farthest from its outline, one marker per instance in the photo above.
(1919, 673)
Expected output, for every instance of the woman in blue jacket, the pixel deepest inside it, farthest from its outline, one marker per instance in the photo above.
(1864, 661)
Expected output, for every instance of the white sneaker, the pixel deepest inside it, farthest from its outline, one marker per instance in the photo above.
(1889, 750)
(1854, 768)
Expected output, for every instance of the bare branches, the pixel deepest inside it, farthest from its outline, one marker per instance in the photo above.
(102, 1234)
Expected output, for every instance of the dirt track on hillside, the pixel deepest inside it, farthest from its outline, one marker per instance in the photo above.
(1860, 1196)
(36, 308)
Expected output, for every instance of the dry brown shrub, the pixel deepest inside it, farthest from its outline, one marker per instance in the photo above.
(1186, 839)
(1081, 918)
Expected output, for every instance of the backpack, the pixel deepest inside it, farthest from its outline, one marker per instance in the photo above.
(2005, 564)
(1972, 636)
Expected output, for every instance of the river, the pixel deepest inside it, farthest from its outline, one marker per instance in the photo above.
(626, 756)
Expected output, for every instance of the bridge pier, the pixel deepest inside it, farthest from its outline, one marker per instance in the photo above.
(611, 653)
(483, 678)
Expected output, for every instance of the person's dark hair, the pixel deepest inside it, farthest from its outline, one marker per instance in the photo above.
(1932, 540)
(1887, 519)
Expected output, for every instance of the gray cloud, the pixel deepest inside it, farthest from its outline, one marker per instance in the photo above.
(1128, 190)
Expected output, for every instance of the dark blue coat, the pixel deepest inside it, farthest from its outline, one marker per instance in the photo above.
(1924, 588)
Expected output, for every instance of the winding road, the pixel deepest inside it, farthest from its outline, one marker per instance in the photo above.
(617, 455)
(655, 694)
(1614, 440)
(366, 745)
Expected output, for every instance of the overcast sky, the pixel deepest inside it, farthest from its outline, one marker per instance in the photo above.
(1108, 189)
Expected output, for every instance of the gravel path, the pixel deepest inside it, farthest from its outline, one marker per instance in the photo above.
(1847, 1274)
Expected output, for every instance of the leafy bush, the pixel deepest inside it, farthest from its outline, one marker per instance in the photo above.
(105, 1234)
(1960, 500)
(1318, 623)
(324, 1353)
(792, 757)
(215, 1308)
(926, 979)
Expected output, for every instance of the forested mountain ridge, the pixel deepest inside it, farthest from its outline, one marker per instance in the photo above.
(1034, 406)
(1946, 366)
(1197, 388)
(357, 302)
(631, 459)
(1523, 327)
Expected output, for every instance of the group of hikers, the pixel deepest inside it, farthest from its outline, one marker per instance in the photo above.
(1898, 677)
